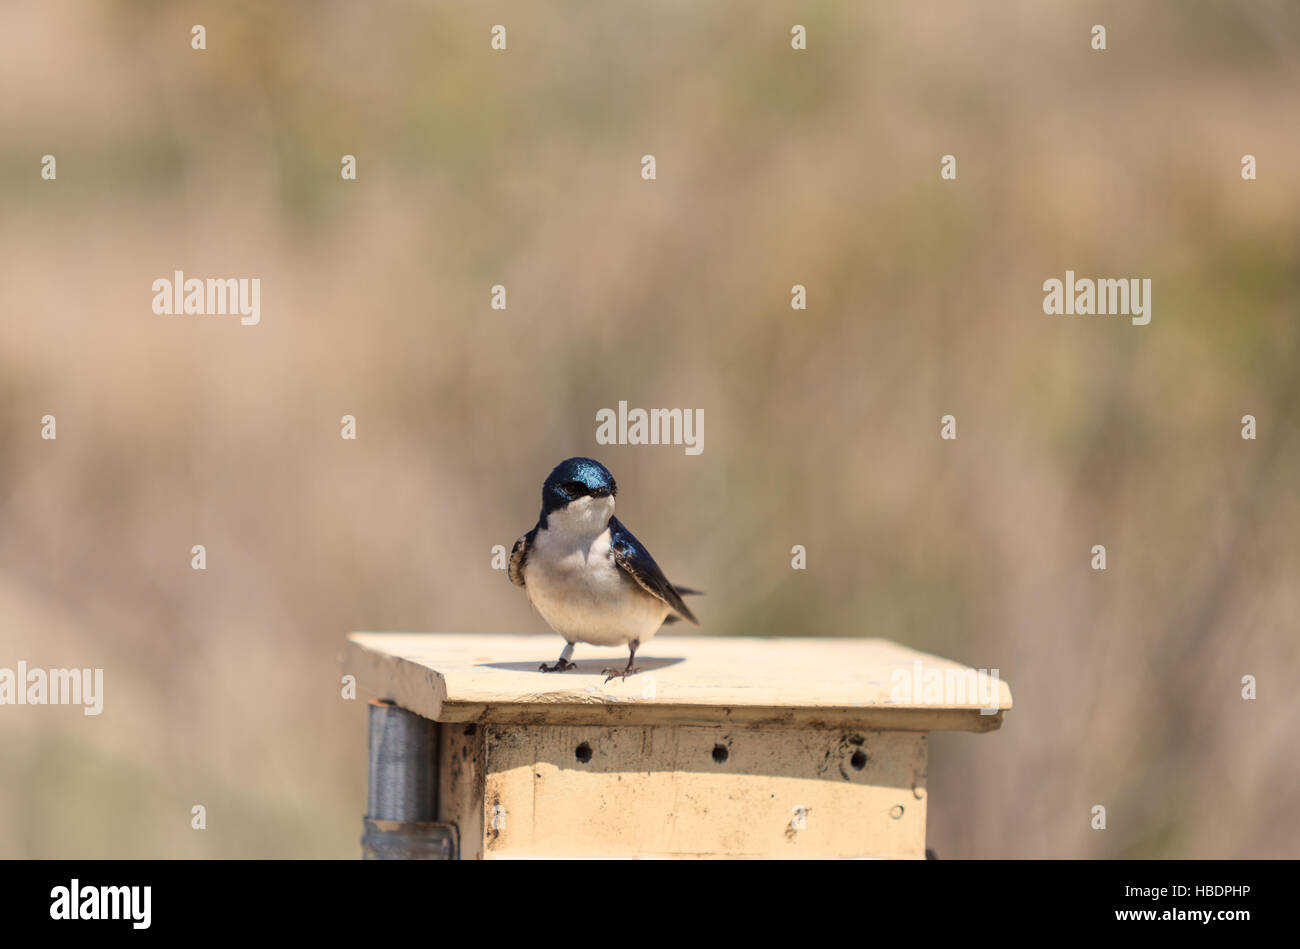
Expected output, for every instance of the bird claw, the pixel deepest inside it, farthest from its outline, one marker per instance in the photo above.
(561, 665)
(618, 673)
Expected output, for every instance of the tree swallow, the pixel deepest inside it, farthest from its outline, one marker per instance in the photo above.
(591, 580)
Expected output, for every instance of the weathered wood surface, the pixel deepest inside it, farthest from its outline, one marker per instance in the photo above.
(684, 791)
(686, 680)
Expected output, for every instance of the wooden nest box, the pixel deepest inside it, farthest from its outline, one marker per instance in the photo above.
(719, 747)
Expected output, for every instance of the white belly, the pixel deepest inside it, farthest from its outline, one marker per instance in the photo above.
(574, 583)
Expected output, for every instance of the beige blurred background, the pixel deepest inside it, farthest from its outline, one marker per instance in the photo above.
(821, 427)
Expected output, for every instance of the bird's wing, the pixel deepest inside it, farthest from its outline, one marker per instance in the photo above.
(636, 561)
(682, 591)
(519, 556)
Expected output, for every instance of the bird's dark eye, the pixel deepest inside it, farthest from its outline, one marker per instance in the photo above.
(574, 489)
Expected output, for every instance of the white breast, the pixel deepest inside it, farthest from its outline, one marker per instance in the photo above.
(572, 580)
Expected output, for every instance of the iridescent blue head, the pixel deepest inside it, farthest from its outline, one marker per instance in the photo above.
(576, 478)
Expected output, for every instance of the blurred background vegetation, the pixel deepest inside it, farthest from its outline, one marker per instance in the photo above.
(821, 427)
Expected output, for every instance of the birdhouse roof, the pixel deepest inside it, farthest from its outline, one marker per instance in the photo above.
(831, 681)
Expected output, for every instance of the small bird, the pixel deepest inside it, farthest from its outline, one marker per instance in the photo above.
(591, 580)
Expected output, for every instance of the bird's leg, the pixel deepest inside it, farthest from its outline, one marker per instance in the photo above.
(624, 673)
(562, 664)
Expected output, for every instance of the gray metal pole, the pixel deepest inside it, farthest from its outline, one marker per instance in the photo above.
(402, 800)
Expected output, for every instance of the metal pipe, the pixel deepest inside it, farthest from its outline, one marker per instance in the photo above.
(402, 790)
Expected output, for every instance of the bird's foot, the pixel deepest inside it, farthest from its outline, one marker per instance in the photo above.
(561, 665)
(619, 673)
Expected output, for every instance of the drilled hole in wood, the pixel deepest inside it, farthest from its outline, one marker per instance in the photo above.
(583, 752)
(859, 760)
(720, 753)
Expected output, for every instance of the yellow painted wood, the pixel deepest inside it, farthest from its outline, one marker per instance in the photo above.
(693, 680)
(720, 747)
(701, 791)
